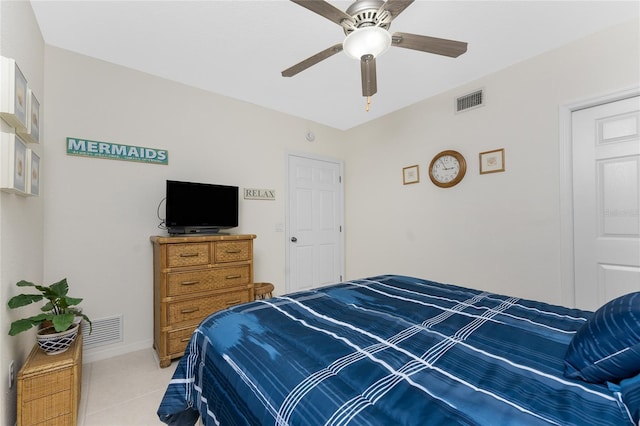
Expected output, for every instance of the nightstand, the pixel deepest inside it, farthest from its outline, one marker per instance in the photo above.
(49, 387)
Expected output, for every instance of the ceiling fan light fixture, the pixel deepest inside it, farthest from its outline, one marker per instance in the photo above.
(367, 41)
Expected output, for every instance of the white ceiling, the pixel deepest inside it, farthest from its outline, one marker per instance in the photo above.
(238, 48)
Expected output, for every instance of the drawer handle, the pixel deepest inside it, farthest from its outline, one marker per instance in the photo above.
(189, 311)
(189, 282)
(185, 339)
(232, 277)
(232, 251)
(188, 254)
(233, 302)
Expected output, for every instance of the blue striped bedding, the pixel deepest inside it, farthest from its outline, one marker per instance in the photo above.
(387, 350)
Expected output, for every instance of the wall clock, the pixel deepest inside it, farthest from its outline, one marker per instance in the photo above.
(447, 169)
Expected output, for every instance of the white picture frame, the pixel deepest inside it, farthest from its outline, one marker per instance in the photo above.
(33, 178)
(32, 133)
(13, 95)
(14, 177)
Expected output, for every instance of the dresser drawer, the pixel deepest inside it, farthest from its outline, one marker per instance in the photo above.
(41, 385)
(182, 283)
(194, 254)
(232, 251)
(54, 409)
(197, 309)
(177, 340)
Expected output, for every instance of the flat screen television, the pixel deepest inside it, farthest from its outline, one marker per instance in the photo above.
(200, 208)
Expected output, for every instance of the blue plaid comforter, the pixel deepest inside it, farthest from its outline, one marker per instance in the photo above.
(388, 350)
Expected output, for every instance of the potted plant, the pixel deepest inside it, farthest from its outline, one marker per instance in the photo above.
(57, 322)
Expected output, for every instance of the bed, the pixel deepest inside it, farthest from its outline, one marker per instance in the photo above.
(398, 350)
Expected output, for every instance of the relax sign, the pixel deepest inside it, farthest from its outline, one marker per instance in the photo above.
(114, 151)
(259, 194)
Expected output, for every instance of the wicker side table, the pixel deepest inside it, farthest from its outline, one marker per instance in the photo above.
(49, 387)
(263, 290)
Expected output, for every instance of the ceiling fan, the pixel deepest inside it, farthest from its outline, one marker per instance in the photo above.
(366, 25)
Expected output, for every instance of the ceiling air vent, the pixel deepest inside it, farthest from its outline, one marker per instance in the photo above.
(470, 101)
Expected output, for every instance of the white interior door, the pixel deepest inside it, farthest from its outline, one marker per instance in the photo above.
(606, 188)
(314, 223)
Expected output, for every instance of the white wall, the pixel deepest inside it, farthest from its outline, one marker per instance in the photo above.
(499, 232)
(100, 213)
(21, 218)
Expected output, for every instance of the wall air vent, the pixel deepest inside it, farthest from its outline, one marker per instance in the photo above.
(105, 331)
(470, 101)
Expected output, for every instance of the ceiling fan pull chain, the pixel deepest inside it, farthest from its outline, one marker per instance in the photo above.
(368, 103)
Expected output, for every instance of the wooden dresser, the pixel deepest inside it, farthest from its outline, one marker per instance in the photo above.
(49, 387)
(193, 277)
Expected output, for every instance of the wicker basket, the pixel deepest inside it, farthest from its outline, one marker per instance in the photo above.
(56, 343)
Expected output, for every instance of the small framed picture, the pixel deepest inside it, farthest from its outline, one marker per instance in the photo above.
(13, 98)
(14, 178)
(492, 161)
(32, 134)
(33, 184)
(410, 174)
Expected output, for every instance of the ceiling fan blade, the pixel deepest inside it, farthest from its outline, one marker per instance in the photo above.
(368, 71)
(439, 46)
(325, 9)
(320, 56)
(395, 7)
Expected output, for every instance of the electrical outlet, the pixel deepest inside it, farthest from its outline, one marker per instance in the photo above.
(12, 375)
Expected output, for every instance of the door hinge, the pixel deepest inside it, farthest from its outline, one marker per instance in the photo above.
(340, 228)
(339, 179)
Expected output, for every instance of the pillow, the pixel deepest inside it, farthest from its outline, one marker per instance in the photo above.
(607, 346)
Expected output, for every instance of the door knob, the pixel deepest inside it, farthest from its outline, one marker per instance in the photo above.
(294, 239)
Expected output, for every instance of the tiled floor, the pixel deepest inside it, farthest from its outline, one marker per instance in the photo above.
(123, 391)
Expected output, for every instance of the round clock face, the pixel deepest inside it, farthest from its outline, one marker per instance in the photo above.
(447, 169)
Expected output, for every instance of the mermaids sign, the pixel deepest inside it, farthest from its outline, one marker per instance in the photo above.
(115, 151)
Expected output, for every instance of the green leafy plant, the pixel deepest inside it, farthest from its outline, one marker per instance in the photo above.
(59, 309)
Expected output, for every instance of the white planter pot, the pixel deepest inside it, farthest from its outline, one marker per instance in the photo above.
(56, 343)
